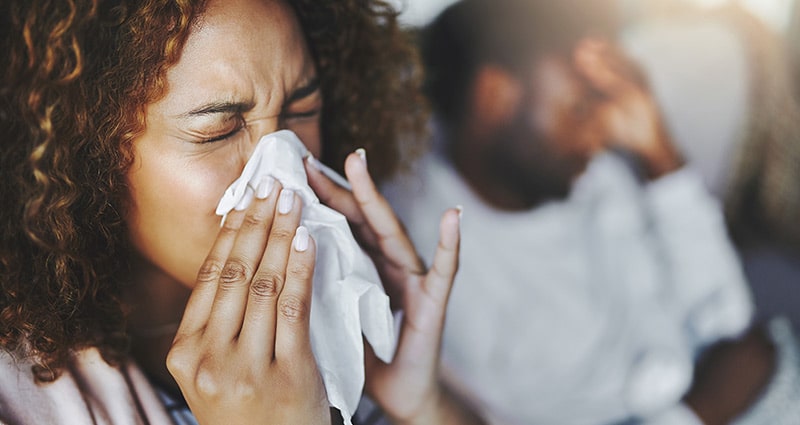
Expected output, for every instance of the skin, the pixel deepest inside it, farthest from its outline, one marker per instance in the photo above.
(173, 225)
(731, 377)
(624, 110)
(242, 352)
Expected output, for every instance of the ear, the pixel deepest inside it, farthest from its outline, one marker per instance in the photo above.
(496, 97)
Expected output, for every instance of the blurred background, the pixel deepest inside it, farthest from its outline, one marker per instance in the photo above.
(783, 16)
(724, 79)
(724, 76)
(779, 14)
(718, 79)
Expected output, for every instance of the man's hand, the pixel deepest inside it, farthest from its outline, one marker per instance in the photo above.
(730, 377)
(627, 112)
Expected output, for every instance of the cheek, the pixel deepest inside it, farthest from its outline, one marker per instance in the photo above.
(172, 222)
(309, 133)
(553, 122)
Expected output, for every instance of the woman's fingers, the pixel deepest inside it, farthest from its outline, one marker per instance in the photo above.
(342, 200)
(380, 242)
(392, 238)
(198, 308)
(258, 329)
(252, 307)
(405, 385)
(442, 273)
(332, 194)
(294, 303)
(225, 320)
(427, 300)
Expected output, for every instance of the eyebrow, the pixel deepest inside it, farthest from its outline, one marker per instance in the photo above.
(219, 108)
(304, 91)
(239, 107)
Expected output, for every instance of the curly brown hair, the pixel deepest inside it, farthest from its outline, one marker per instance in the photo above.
(79, 75)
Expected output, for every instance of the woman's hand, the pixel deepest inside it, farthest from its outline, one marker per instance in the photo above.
(408, 389)
(627, 111)
(242, 354)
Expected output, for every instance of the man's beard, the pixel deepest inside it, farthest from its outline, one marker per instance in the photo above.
(525, 163)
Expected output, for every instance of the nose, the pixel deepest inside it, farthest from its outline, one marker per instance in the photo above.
(255, 131)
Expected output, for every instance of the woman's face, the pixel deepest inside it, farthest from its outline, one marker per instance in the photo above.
(245, 71)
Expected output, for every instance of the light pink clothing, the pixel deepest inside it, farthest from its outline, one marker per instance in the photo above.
(89, 391)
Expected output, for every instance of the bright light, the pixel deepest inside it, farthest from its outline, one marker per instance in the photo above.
(421, 12)
(710, 3)
(776, 13)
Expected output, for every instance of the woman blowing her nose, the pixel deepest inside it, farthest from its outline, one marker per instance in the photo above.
(123, 124)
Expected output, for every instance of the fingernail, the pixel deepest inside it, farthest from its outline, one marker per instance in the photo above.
(362, 154)
(313, 162)
(285, 201)
(246, 199)
(264, 187)
(460, 209)
(301, 239)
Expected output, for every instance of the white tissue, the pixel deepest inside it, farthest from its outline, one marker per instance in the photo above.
(348, 298)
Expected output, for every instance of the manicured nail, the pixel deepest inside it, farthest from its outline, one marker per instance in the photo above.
(264, 187)
(301, 239)
(246, 199)
(312, 162)
(285, 201)
(362, 154)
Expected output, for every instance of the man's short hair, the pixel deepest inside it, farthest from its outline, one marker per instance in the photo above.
(507, 33)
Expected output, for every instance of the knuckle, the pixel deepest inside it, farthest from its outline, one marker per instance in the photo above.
(282, 234)
(229, 229)
(233, 274)
(440, 272)
(254, 220)
(179, 362)
(207, 383)
(266, 286)
(209, 271)
(293, 308)
(300, 271)
(246, 389)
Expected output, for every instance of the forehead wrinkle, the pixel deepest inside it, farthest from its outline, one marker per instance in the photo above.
(232, 58)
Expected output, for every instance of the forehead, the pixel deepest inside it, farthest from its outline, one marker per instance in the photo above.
(238, 48)
(553, 80)
(247, 21)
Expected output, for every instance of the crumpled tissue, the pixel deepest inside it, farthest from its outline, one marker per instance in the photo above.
(348, 298)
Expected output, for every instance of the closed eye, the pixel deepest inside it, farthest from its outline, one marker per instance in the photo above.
(308, 114)
(223, 136)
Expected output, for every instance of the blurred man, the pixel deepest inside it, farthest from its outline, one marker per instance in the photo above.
(590, 282)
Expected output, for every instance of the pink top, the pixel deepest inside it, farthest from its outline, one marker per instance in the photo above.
(89, 391)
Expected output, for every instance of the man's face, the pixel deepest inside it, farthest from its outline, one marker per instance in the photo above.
(553, 136)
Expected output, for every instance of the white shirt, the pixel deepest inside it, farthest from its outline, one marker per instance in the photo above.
(586, 311)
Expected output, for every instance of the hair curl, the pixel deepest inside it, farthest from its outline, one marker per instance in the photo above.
(79, 76)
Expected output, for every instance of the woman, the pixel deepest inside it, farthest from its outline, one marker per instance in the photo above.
(124, 122)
